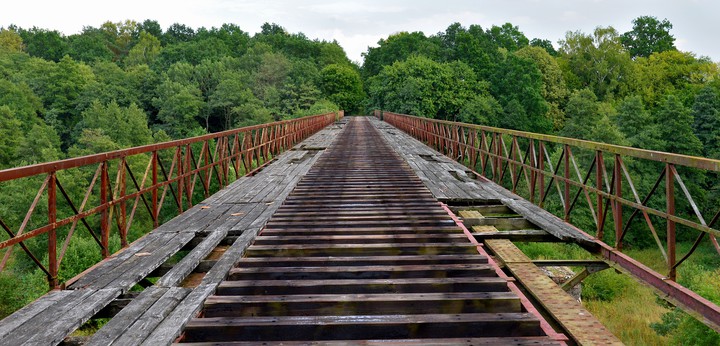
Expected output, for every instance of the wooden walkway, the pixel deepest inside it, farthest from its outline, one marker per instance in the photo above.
(362, 251)
(354, 249)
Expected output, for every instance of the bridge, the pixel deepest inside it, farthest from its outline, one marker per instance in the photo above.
(339, 230)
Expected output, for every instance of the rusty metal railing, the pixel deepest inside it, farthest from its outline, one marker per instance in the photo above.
(537, 166)
(176, 175)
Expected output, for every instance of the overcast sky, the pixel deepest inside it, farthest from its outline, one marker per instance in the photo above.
(359, 24)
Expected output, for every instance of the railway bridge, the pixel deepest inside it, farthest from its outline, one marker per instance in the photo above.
(384, 230)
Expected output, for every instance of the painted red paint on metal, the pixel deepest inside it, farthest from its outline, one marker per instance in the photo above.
(259, 143)
(546, 327)
(609, 195)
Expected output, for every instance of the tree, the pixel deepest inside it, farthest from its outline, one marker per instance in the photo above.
(178, 107)
(151, 27)
(597, 61)
(397, 47)
(508, 36)
(677, 122)
(482, 110)
(425, 88)
(554, 89)
(10, 40)
(518, 79)
(145, 51)
(341, 84)
(637, 124)
(46, 44)
(706, 113)
(544, 44)
(10, 139)
(589, 119)
(126, 126)
(649, 35)
(177, 33)
(89, 46)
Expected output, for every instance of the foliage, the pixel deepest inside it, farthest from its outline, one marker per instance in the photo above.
(649, 35)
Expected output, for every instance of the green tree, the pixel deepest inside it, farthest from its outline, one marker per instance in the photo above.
(423, 87)
(649, 35)
(482, 110)
(554, 89)
(544, 44)
(597, 61)
(508, 36)
(125, 126)
(677, 127)
(637, 124)
(10, 139)
(145, 51)
(706, 113)
(342, 85)
(589, 119)
(178, 106)
(10, 40)
(46, 44)
(42, 144)
(397, 47)
(89, 46)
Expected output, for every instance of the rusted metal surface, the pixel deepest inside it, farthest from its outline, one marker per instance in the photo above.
(361, 251)
(544, 161)
(175, 174)
(581, 326)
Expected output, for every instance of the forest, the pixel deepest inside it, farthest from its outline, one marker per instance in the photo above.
(132, 83)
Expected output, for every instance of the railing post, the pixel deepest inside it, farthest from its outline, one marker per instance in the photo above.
(670, 200)
(123, 206)
(52, 234)
(566, 175)
(155, 210)
(181, 180)
(617, 206)
(541, 167)
(533, 173)
(599, 174)
(105, 215)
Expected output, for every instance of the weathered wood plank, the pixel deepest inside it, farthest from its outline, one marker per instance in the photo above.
(186, 266)
(152, 317)
(516, 341)
(64, 317)
(126, 317)
(30, 312)
(361, 327)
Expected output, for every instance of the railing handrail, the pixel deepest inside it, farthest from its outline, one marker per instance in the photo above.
(53, 166)
(659, 156)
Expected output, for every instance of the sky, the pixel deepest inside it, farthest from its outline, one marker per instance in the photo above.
(357, 25)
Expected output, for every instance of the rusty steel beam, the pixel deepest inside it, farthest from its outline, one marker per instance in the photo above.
(659, 156)
(260, 143)
(609, 194)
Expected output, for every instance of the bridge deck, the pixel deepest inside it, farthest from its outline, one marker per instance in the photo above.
(359, 250)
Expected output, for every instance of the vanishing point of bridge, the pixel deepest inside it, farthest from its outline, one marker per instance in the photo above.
(349, 237)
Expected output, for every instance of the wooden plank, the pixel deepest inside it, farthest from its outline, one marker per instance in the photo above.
(361, 304)
(513, 341)
(361, 250)
(222, 329)
(229, 259)
(64, 317)
(546, 221)
(523, 235)
(412, 285)
(359, 260)
(186, 266)
(152, 317)
(31, 312)
(126, 317)
(170, 328)
(362, 239)
(131, 272)
(360, 272)
(579, 323)
(149, 241)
